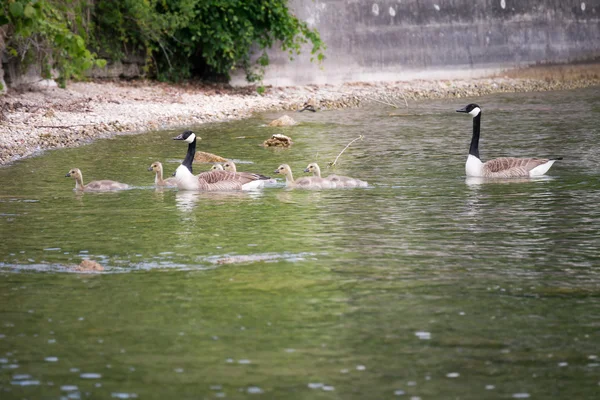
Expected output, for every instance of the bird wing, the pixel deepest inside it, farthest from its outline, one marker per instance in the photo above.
(509, 167)
(226, 180)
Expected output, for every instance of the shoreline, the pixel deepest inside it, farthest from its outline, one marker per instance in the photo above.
(35, 120)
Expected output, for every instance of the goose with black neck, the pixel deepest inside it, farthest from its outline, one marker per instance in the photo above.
(503, 167)
(214, 180)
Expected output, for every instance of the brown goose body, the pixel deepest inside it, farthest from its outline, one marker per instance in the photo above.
(94, 186)
(511, 167)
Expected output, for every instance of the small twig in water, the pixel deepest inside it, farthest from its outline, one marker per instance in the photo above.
(382, 102)
(404, 97)
(331, 164)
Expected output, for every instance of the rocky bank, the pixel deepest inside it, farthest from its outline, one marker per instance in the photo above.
(32, 120)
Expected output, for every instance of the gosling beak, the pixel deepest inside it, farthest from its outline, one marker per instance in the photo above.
(149, 168)
(276, 171)
(306, 170)
(462, 110)
(68, 175)
(173, 174)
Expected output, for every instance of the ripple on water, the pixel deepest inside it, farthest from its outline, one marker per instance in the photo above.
(120, 395)
(51, 359)
(453, 375)
(399, 392)
(90, 375)
(69, 388)
(254, 390)
(315, 385)
(521, 395)
(423, 335)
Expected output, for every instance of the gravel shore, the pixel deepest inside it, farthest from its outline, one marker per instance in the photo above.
(35, 120)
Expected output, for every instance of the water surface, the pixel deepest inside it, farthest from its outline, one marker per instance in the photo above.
(425, 284)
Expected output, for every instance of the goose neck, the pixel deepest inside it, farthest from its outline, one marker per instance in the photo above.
(474, 149)
(189, 157)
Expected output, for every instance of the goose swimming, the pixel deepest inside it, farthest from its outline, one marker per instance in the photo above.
(503, 167)
(212, 180)
(341, 181)
(97, 186)
(307, 182)
(158, 179)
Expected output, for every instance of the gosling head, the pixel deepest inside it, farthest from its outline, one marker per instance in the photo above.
(472, 109)
(155, 167)
(74, 173)
(312, 168)
(216, 167)
(230, 166)
(187, 136)
(283, 169)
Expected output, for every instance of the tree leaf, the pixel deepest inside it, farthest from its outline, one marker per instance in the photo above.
(16, 9)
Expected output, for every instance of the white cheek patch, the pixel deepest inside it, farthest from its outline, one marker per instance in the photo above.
(475, 112)
(191, 138)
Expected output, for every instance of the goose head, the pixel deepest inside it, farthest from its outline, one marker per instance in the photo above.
(74, 173)
(216, 167)
(187, 136)
(155, 167)
(314, 169)
(230, 166)
(472, 109)
(285, 170)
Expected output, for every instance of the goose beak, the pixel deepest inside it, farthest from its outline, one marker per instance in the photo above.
(178, 137)
(68, 175)
(149, 168)
(462, 110)
(173, 174)
(306, 170)
(276, 171)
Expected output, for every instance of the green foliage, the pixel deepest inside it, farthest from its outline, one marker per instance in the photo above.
(205, 38)
(50, 32)
(177, 38)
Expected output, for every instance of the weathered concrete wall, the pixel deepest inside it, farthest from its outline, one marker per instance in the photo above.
(405, 39)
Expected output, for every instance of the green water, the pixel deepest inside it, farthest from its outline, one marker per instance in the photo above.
(423, 285)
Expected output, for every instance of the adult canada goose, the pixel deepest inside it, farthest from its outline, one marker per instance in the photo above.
(158, 179)
(103, 185)
(212, 180)
(341, 181)
(307, 182)
(504, 167)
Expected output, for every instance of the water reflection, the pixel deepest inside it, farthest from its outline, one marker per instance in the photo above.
(187, 200)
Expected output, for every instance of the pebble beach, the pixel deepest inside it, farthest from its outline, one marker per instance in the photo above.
(33, 120)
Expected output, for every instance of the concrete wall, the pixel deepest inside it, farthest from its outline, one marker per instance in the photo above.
(372, 40)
